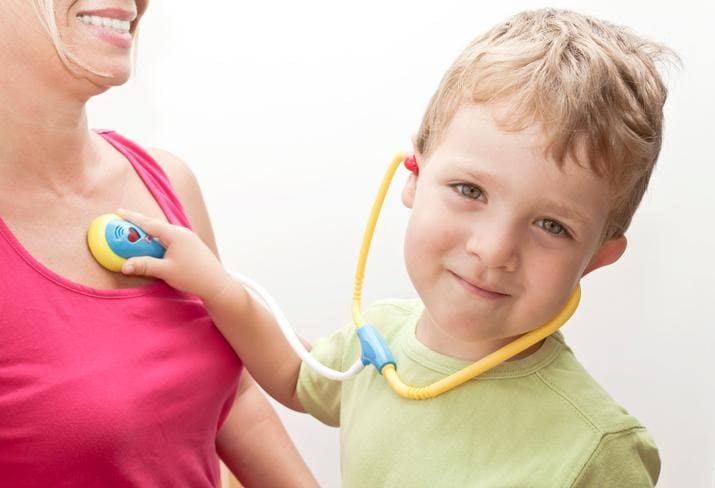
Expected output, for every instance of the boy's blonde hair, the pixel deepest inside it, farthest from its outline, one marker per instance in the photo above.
(591, 85)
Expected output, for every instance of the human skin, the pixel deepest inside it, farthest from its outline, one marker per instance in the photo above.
(497, 239)
(499, 235)
(56, 176)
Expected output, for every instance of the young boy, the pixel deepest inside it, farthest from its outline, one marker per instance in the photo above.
(533, 155)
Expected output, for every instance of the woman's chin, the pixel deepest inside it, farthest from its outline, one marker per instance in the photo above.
(106, 77)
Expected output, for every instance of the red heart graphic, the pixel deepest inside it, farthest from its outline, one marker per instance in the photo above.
(133, 235)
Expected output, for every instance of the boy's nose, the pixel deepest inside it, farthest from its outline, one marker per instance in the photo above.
(496, 244)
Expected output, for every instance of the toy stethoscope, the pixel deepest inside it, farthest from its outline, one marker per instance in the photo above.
(112, 240)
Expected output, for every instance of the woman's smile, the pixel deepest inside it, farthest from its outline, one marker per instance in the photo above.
(111, 25)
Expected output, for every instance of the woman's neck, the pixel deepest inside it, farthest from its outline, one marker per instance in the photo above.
(44, 138)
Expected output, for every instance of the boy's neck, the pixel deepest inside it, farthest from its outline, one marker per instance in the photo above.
(432, 338)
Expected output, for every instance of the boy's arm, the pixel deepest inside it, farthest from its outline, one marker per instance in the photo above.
(254, 335)
(191, 266)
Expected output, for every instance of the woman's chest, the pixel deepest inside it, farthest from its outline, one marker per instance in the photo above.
(88, 375)
(54, 235)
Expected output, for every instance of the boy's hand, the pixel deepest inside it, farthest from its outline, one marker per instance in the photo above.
(188, 264)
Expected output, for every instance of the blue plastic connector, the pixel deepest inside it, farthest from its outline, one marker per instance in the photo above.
(375, 350)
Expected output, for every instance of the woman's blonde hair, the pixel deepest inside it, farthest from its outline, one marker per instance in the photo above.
(46, 11)
(592, 86)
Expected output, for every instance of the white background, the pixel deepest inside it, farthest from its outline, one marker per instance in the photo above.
(288, 113)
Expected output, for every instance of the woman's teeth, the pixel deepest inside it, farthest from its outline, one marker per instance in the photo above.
(121, 26)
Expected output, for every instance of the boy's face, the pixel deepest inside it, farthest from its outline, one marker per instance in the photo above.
(498, 235)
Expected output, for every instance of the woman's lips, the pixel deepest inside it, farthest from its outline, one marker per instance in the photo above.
(116, 38)
(111, 13)
(111, 25)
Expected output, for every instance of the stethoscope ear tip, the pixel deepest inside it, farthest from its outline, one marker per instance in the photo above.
(411, 164)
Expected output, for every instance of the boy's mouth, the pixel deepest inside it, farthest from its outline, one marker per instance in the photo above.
(482, 290)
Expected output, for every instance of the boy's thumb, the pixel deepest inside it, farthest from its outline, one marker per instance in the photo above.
(143, 266)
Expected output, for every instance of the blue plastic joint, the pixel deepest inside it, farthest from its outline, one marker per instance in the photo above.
(375, 350)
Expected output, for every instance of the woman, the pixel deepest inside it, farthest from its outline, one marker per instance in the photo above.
(105, 379)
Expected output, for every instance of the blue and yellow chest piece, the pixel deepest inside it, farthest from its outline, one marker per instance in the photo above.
(112, 240)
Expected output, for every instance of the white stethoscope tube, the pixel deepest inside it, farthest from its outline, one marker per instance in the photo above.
(259, 292)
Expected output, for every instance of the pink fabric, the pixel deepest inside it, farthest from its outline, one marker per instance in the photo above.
(122, 387)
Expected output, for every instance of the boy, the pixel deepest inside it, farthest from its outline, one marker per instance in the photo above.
(533, 155)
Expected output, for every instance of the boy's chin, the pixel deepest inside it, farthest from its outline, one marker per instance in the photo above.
(472, 329)
(480, 329)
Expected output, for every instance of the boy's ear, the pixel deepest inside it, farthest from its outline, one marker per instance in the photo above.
(608, 253)
(408, 192)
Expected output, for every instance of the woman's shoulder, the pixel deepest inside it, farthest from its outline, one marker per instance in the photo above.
(188, 190)
(177, 170)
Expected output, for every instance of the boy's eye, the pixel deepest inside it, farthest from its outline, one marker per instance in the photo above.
(469, 191)
(552, 227)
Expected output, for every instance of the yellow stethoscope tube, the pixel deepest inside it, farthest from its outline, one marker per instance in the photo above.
(497, 357)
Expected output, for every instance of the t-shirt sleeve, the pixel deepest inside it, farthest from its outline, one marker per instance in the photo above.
(320, 396)
(622, 459)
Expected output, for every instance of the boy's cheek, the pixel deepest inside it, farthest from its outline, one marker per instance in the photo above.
(409, 191)
(426, 242)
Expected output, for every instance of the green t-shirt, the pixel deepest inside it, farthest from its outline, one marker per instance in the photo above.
(541, 421)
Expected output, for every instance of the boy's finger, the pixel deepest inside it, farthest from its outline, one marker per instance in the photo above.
(153, 227)
(144, 266)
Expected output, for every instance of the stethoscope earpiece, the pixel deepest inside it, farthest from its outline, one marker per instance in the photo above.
(411, 164)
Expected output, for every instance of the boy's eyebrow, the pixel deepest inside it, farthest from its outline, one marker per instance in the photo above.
(548, 205)
(476, 174)
(563, 210)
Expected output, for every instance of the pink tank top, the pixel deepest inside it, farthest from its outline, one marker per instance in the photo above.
(120, 387)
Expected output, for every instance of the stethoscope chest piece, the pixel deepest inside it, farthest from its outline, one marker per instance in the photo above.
(112, 240)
